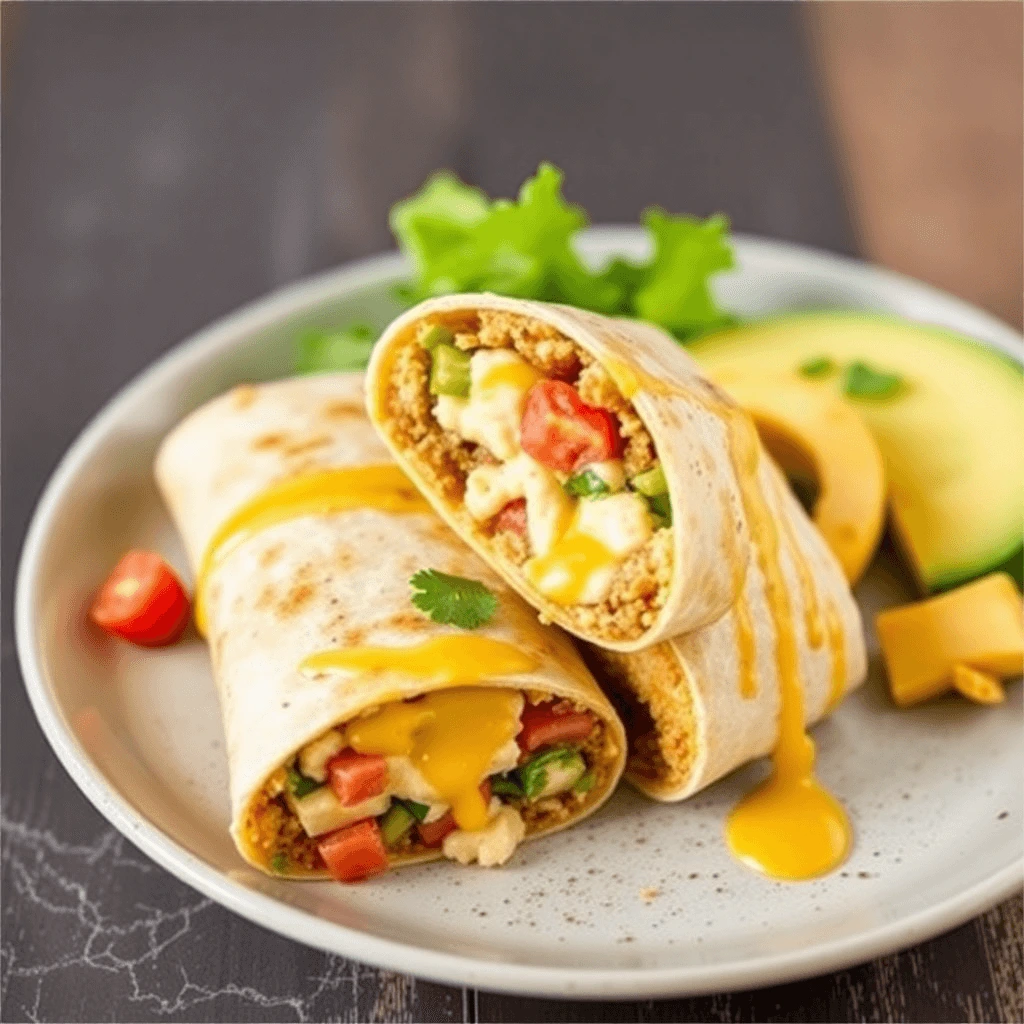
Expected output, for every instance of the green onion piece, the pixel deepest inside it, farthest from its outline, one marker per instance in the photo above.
(552, 771)
(585, 485)
(651, 482)
(661, 509)
(585, 783)
(396, 823)
(300, 785)
(821, 366)
(506, 785)
(418, 811)
(863, 381)
(279, 862)
(433, 335)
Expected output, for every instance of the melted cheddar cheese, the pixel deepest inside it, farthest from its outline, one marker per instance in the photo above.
(382, 486)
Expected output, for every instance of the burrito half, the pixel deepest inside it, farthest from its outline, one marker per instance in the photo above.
(362, 734)
(587, 459)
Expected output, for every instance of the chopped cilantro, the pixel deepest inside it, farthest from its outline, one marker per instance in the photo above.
(585, 485)
(452, 600)
(279, 862)
(863, 381)
(299, 785)
(821, 366)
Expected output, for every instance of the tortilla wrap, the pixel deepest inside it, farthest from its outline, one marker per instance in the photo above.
(330, 580)
(693, 712)
(682, 412)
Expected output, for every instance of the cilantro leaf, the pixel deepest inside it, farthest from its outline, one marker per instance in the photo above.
(863, 381)
(300, 785)
(821, 366)
(674, 293)
(342, 350)
(279, 862)
(585, 485)
(452, 600)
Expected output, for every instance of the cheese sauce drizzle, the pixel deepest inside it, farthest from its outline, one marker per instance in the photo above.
(451, 736)
(808, 591)
(381, 486)
(790, 827)
(746, 644)
(837, 647)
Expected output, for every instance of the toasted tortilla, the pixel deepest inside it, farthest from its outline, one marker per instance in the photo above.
(330, 580)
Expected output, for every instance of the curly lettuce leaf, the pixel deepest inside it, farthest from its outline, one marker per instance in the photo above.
(674, 292)
(459, 240)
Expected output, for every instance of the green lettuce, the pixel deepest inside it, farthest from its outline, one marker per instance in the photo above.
(459, 240)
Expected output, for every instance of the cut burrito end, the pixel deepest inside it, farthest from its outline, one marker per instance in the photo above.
(465, 773)
(654, 699)
(523, 438)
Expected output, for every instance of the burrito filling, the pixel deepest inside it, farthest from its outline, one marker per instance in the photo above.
(467, 771)
(550, 464)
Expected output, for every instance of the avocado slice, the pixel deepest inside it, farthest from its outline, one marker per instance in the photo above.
(950, 435)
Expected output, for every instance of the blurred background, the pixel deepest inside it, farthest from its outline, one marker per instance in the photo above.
(164, 163)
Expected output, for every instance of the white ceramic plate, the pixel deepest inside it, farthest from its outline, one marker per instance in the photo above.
(935, 794)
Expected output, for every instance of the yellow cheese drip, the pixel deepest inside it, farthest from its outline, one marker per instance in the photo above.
(746, 644)
(837, 647)
(790, 827)
(563, 573)
(382, 487)
(451, 736)
(808, 590)
(453, 659)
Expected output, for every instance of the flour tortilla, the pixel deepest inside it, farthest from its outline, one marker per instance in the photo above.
(324, 581)
(691, 441)
(682, 699)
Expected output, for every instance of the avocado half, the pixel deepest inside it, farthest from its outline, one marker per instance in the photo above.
(951, 436)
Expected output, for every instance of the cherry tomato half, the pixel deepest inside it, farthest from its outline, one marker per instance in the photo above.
(142, 601)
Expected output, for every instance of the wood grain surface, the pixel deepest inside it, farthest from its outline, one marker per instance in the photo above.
(164, 163)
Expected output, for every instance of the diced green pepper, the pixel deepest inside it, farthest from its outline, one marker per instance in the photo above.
(279, 862)
(661, 509)
(585, 783)
(651, 482)
(506, 785)
(585, 485)
(433, 335)
(449, 372)
(396, 823)
(300, 785)
(553, 771)
(418, 811)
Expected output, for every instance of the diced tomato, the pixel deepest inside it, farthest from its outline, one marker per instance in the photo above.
(512, 517)
(357, 777)
(434, 833)
(142, 601)
(545, 725)
(562, 432)
(354, 852)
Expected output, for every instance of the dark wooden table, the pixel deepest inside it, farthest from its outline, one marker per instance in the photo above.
(163, 164)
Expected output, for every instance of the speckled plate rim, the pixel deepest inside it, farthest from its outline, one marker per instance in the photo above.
(263, 910)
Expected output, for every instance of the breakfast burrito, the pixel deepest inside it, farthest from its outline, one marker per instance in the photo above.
(585, 458)
(699, 705)
(369, 722)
